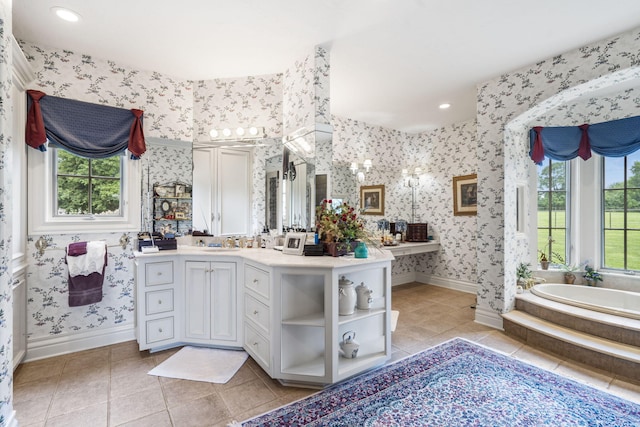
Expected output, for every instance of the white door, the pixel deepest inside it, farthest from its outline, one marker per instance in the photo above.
(203, 190)
(223, 301)
(234, 192)
(197, 297)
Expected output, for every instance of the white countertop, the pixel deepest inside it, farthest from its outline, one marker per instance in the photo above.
(272, 257)
(412, 248)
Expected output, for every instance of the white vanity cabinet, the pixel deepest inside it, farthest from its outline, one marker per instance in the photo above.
(157, 294)
(282, 309)
(211, 302)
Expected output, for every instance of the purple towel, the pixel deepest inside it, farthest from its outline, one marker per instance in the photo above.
(77, 249)
(85, 290)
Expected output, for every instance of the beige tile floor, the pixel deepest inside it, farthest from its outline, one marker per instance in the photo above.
(109, 386)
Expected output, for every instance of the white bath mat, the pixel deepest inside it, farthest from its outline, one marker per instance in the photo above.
(201, 364)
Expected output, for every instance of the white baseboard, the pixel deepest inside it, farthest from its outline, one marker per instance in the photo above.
(444, 282)
(486, 316)
(12, 421)
(401, 279)
(41, 348)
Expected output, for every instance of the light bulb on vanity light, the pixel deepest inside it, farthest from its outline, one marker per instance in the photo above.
(253, 130)
(213, 133)
(240, 131)
(226, 132)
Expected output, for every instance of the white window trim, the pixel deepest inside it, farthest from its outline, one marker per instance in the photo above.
(41, 217)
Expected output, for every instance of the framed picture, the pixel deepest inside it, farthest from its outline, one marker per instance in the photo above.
(372, 199)
(465, 195)
(180, 190)
(294, 243)
(181, 215)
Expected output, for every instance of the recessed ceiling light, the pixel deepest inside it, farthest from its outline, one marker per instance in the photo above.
(66, 14)
(444, 106)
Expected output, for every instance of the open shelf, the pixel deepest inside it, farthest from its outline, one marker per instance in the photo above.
(360, 314)
(313, 319)
(312, 368)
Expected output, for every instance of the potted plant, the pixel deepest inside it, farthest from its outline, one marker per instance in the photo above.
(591, 276)
(569, 270)
(544, 262)
(339, 227)
(524, 275)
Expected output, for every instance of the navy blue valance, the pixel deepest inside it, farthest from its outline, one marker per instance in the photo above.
(85, 129)
(616, 138)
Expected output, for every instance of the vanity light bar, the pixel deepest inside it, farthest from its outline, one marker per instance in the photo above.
(238, 134)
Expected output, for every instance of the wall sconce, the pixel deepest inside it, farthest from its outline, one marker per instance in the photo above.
(413, 179)
(367, 164)
(239, 134)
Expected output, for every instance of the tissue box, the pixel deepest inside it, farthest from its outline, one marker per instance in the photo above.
(417, 233)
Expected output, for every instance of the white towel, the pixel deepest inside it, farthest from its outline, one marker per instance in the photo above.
(91, 262)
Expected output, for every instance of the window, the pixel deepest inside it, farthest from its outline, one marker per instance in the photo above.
(621, 212)
(72, 194)
(553, 214)
(87, 187)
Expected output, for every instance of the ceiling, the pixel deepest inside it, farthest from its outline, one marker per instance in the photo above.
(392, 61)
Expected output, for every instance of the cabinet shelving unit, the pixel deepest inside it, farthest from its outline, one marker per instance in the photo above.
(172, 204)
(310, 328)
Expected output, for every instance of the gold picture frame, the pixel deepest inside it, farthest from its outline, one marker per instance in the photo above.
(465, 195)
(372, 199)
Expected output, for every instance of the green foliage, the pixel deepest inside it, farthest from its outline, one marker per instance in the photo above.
(524, 271)
(84, 193)
(590, 273)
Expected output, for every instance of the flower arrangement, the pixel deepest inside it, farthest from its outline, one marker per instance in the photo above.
(338, 223)
(591, 274)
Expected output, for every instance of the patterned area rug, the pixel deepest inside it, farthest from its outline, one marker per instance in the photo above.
(457, 383)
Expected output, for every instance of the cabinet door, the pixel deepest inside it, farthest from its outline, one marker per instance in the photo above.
(223, 301)
(234, 191)
(197, 297)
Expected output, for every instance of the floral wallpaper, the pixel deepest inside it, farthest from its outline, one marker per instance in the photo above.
(167, 102)
(6, 279)
(507, 106)
(305, 92)
(245, 101)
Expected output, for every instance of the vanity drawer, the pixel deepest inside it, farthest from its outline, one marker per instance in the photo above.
(257, 346)
(257, 312)
(158, 301)
(159, 329)
(158, 273)
(257, 280)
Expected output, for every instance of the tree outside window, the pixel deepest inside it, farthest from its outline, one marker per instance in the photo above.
(87, 187)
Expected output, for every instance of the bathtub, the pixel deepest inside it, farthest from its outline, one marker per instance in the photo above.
(611, 301)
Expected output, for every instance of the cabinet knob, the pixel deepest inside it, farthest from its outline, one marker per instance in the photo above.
(255, 344)
(159, 273)
(255, 312)
(159, 301)
(255, 280)
(160, 330)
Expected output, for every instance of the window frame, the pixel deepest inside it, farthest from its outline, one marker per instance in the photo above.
(569, 209)
(42, 191)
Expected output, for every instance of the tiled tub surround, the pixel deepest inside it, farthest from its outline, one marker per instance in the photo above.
(601, 340)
